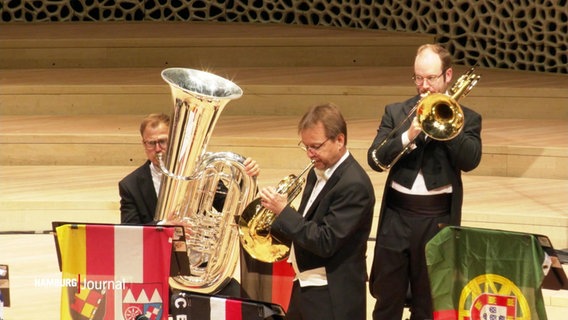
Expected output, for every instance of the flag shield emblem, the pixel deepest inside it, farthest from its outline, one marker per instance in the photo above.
(483, 274)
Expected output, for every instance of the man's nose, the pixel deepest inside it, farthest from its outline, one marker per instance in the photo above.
(311, 153)
(426, 86)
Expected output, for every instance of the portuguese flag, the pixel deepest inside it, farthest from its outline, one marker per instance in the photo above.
(478, 274)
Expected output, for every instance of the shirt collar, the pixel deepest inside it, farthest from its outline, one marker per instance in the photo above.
(327, 173)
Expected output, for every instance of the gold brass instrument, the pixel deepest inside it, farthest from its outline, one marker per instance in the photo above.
(439, 115)
(255, 222)
(191, 178)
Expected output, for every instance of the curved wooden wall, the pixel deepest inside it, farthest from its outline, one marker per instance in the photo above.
(521, 35)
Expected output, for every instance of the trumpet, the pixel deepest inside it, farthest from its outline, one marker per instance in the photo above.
(439, 115)
(255, 222)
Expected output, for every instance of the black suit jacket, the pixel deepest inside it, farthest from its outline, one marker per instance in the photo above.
(441, 162)
(334, 235)
(138, 198)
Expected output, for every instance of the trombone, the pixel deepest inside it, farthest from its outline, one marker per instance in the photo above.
(439, 115)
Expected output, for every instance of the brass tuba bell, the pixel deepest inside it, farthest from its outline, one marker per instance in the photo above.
(191, 178)
(255, 222)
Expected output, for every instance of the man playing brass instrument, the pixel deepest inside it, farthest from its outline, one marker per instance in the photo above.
(139, 190)
(329, 231)
(423, 190)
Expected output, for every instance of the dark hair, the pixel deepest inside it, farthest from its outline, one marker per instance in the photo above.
(331, 118)
(442, 52)
(153, 120)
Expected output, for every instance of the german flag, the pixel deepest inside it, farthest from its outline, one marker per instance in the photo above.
(268, 282)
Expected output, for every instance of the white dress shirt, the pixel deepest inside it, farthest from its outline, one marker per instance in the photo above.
(156, 177)
(317, 276)
(419, 186)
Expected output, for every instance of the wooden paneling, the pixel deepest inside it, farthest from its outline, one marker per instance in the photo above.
(72, 97)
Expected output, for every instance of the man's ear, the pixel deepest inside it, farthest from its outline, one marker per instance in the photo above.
(341, 139)
(449, 75)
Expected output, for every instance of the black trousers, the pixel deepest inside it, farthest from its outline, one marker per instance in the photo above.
(309, 303)
(409, 222)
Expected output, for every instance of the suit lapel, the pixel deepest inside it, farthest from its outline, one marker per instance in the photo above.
(411, 104)
(331, 182)
(310, 183)
(147, 188)
(407, 109)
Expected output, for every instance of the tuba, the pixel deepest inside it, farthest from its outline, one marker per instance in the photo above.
(191, 180)
(255, 221)
(439, 115)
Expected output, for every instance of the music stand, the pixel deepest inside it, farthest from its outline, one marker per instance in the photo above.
(556, 278)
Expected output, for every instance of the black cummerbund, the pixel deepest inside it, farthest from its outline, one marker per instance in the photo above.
(431, 205)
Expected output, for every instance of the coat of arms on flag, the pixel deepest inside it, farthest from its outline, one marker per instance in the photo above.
(490, 306)
(478, 274)
(85, 303)
(142, 299)
(117, 271)
(490, 296)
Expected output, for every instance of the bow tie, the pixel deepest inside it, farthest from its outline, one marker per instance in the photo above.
(322, 174)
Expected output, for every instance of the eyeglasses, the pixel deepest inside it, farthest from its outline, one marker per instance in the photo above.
(420, 80)
(151, 144)
(311, 148)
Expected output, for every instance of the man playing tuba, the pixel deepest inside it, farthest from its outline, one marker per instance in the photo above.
(139, 190)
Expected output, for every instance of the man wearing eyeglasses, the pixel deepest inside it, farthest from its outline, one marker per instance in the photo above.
(330, 229)
(139, 190)
(423, 191)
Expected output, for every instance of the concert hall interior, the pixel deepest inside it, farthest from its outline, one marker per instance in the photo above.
(72, 95)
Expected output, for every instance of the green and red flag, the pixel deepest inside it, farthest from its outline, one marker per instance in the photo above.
(478, 274)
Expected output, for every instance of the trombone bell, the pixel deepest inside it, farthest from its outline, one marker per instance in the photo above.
(440, 117)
